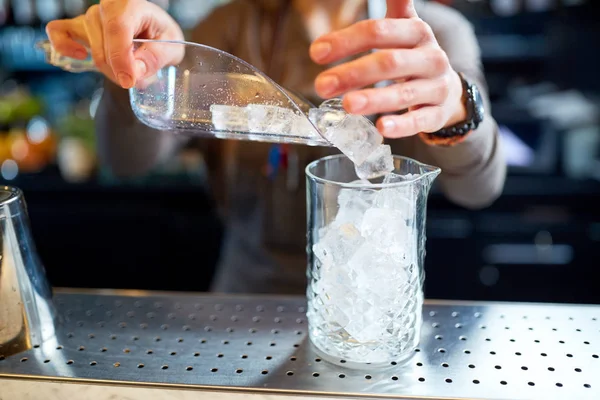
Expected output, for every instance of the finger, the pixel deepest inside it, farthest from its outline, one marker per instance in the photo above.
(367, 35)
(424, 119)
(152, 56)
(66, 35)
(383, 65)
(400, 9)
(400, 96)
(119, 22)
(93, 28)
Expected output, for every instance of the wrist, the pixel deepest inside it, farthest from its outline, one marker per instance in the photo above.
(457, 101)
(466, 115)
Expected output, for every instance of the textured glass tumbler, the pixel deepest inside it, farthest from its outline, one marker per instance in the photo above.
(366, 247)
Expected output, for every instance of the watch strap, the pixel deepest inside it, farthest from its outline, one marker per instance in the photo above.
(435, 140)
(456, 133)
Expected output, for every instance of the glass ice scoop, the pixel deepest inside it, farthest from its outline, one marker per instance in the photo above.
(206, 91)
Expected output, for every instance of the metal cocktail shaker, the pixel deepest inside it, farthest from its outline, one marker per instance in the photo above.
(27, 314)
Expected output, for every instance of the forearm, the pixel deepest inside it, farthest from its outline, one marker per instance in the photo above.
(473, 171)
(126, 146)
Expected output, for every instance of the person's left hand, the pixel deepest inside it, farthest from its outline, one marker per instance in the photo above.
(409, 54)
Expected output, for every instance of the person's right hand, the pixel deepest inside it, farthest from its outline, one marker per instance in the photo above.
(108, 30)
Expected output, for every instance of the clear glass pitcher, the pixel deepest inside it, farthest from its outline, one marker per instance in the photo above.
(366, 247)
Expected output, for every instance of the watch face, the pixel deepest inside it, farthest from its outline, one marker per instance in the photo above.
(478, 108)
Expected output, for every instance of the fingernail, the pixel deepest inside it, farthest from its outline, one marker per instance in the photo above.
(328, 84)
(125, 80)
(357, 102)
(140, 69)
(388, 125)
(80, 54)
(320, 50)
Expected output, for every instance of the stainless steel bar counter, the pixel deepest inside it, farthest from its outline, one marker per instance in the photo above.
(146, 345)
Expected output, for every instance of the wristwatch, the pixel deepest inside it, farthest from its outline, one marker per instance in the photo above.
(475, 113)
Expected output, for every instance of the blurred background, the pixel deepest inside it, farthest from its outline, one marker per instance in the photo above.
(538, 242)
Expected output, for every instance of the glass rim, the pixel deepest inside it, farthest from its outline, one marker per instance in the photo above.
(431, 171)
(13, 194)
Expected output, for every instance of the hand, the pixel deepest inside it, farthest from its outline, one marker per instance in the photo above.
(409, 54)
(108, 30)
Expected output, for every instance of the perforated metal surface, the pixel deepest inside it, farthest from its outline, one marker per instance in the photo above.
(476, 351)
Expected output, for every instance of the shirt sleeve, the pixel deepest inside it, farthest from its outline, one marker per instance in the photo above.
(473, 171)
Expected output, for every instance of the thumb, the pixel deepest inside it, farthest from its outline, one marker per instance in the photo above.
(400, 9)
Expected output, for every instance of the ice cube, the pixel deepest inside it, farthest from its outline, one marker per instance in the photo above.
(367, 323)
(352, 216)
(333, 299)
(381, 277)
(338, 244)
(336, 280)
(353, 204)
(229, 118)
(301, 126)
(387, 231)
(347, 197)
(355, 136)
(395, 178)
(325, 118)
(378, 164)
(269, 119)
(401, 197)
(333, 104)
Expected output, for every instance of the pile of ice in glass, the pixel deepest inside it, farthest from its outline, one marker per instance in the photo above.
(366, 283)
(365, 287)
(353, 135)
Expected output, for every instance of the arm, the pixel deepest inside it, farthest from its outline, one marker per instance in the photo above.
(473, 171)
